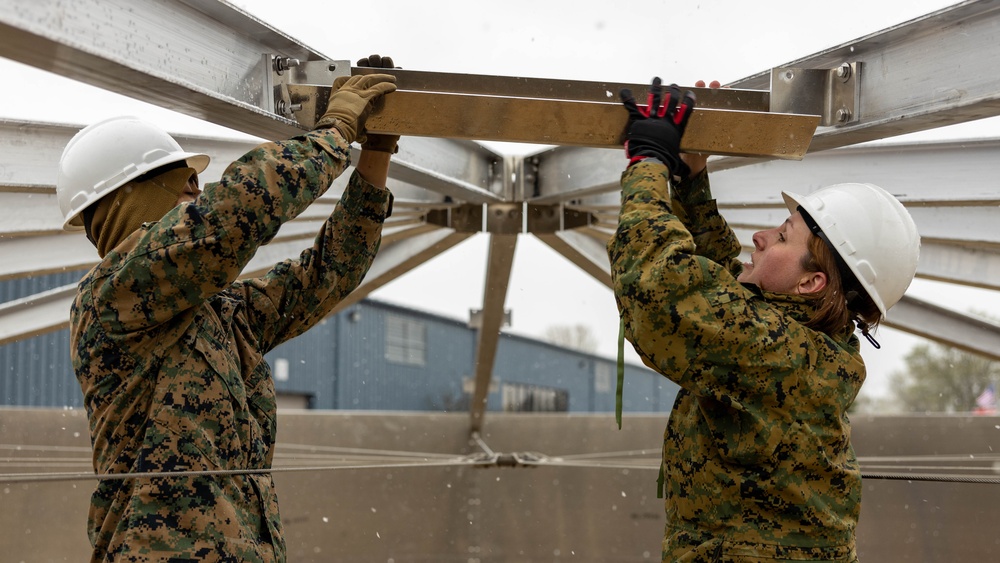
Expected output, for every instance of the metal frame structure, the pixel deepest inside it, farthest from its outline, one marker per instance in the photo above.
(250, 77)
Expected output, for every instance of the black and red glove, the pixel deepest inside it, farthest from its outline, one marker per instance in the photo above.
(655, 131)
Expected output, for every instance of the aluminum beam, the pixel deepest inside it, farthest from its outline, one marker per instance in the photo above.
(948, 261)
(919, 173)
(32, 149)
(138, 48)
(918, 75)
(915, 76)
(955, 264)
(528, 110)
(950, 328)
(590, 255)
(562, 122)
(498, 268)
(33, 256)
(36, 314)
(222, 81)
(398, 258)
(973, 227)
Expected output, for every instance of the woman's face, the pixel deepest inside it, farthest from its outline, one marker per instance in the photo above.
(776, 262)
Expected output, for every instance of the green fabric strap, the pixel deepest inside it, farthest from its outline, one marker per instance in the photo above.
(659, 482)
(621, 372)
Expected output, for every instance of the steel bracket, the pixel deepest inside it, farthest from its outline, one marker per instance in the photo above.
(833, 94)
(510, 218)
(284, 77)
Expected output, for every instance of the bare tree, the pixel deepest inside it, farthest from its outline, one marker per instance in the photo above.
(578, 337)
(942, 379)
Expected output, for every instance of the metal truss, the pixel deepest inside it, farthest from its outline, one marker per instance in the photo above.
(245, 75)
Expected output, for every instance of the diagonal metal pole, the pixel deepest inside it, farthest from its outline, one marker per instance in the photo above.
(498, 270)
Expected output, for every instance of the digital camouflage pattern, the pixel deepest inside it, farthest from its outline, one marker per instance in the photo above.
(757, 457)
(168, 349)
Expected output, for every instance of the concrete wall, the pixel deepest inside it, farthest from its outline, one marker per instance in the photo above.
(458, 513)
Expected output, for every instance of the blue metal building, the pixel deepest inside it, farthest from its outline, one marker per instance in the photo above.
(372, 356)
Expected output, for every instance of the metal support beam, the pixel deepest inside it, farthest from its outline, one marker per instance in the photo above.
(137, 48)
(37, 314)
(950, 328)
(397, 258)
(566, 122)
(589, 254)
(509, 218)
(498, 270)
(34, 256)
(915, 76)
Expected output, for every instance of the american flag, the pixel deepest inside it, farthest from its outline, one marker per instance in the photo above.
(988, 398)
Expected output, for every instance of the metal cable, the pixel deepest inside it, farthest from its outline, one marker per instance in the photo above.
(370, 452)
(929, 477)
(13, 478)
(308, 454)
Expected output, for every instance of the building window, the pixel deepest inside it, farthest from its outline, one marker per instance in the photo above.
(602, 378)
(517, 397)
(405, 341)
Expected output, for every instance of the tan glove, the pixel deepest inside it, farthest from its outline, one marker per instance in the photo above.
(381, 143)
(352, 99)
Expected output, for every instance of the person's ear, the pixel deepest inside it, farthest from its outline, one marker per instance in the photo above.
(812, 282)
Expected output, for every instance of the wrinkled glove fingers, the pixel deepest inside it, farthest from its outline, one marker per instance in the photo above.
(684, 110)
(628, 100)
(384, 83)
(376, 61)
(654, 99)
(378, 92)
(673, 96)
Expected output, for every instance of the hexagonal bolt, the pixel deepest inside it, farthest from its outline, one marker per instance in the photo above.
(844, 72)
(281, 108)
(281, 64)
(843, 115)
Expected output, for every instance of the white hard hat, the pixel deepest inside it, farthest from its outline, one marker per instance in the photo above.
(872, 233)
(106, 155)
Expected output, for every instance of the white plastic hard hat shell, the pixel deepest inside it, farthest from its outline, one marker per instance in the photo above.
(873, 233)
(108, 154)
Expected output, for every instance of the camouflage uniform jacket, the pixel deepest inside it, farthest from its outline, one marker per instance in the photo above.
(758, 464)
(168, 349)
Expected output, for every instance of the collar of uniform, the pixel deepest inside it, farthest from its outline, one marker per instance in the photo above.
(799, 307)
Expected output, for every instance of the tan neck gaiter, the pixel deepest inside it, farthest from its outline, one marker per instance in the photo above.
(118, 215)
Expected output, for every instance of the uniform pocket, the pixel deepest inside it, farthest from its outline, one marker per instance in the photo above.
(741, 437)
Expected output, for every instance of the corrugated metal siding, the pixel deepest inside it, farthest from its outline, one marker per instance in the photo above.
(23, 287)
(310, 364)
(522, 361)
(368, 380)
(37, 372)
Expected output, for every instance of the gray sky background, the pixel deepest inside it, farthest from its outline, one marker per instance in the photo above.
(573, 40)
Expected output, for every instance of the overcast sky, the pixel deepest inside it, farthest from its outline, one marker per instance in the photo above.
(573, 40)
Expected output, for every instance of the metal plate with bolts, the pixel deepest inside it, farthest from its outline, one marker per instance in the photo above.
(833, 94)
